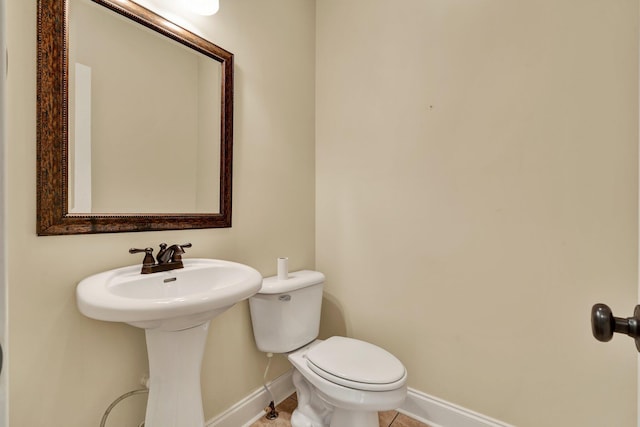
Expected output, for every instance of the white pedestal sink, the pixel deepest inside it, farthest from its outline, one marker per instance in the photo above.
(175, 308)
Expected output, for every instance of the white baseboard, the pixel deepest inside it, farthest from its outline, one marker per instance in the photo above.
(440, 413)
(418, 405)
(251, 408)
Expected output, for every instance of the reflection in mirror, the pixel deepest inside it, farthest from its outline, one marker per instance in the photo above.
(134, 121)
(144, 112)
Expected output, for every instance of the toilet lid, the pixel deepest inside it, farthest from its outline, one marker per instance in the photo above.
(356, 364)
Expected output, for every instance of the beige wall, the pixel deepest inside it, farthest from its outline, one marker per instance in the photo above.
(65, 369)
(477, 193)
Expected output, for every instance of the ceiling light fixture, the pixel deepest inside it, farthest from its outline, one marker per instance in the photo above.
(203, 7)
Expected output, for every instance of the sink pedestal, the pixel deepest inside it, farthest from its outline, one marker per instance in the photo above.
(175, 360)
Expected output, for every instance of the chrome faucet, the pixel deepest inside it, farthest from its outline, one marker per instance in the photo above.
(168, 258)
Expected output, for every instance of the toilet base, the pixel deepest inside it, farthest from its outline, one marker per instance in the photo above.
(311, 410)
(344, 418)
(314, 411)
(340, 418)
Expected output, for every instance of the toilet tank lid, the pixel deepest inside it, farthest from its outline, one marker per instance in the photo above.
(297, 280)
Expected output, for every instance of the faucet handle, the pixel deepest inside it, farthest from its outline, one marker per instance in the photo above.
(178, 251)
(148, 257)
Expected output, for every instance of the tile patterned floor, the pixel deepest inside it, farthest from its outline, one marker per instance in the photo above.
(387, 419)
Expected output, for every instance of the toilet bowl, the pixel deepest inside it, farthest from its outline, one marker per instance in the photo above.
(340, 382)
(353, 395)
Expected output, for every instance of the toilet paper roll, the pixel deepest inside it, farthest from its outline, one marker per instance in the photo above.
(283, 268)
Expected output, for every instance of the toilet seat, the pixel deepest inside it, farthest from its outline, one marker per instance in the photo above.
(356, 364)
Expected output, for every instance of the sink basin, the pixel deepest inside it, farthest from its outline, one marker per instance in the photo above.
(170, 300)
(175, 309)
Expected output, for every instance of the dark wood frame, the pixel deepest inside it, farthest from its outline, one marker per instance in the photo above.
(53, 215)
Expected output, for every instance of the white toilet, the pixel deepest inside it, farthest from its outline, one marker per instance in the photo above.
(340, 382)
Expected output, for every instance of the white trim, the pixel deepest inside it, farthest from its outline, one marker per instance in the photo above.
(251, 408)
(81, 149)
(440, 413)
(638, 295)
(419, 406)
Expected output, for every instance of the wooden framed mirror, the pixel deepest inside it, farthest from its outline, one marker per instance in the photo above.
(155, 132)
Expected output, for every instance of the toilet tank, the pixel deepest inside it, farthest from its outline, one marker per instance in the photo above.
(286, 313)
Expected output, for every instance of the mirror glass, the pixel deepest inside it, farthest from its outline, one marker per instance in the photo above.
(135, 121)
(144, 118)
